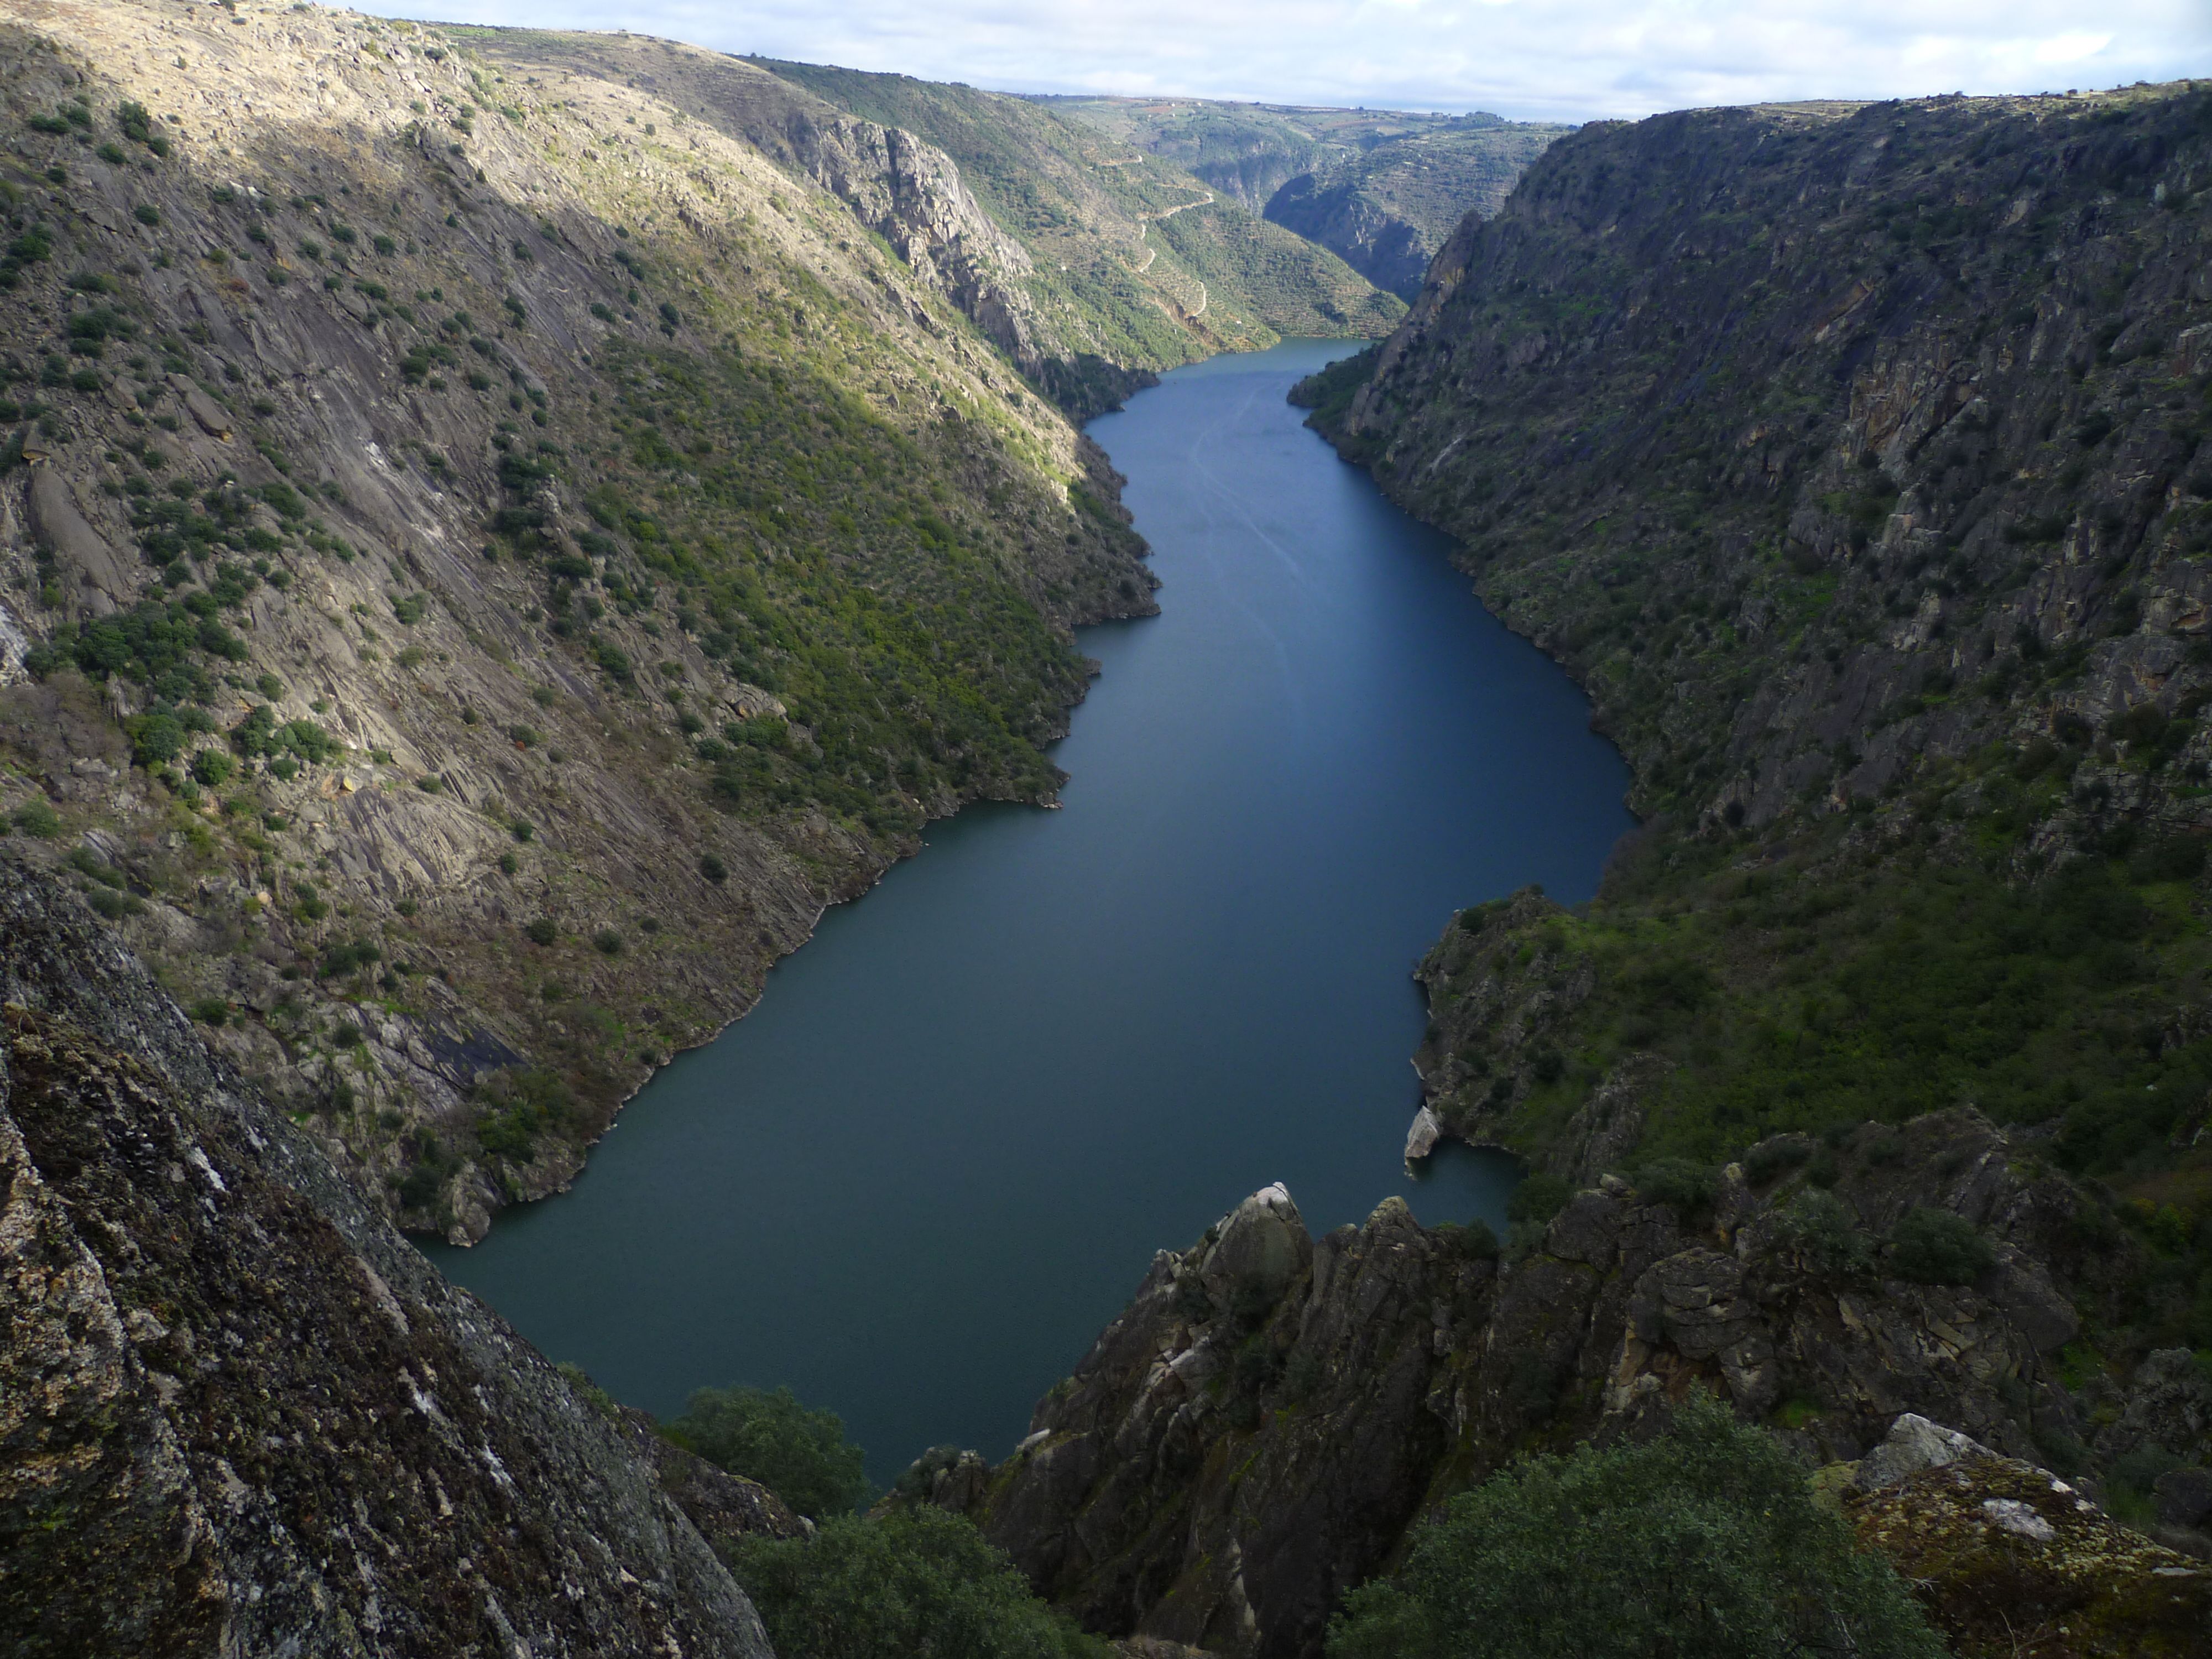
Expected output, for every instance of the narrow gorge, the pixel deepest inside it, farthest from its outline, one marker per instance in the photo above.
(504, 531)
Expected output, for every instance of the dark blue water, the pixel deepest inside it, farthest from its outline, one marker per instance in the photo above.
(920, 1177)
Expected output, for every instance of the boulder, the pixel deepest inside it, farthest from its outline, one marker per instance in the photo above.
(750, 703)
(1421, 1139)
(210, 416)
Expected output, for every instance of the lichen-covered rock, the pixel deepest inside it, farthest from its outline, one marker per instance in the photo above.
(2011, 1560)
(239, 1414)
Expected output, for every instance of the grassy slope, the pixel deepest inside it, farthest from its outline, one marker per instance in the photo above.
(1210, 277)
(1855, 462)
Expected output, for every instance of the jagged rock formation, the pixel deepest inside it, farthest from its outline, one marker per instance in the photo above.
(1253, 1434)
(1138, 264)
(1967, 328)
(239, 1413)
(410, 535)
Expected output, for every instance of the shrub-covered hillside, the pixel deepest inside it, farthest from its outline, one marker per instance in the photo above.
(488, 556)
(1855, 458)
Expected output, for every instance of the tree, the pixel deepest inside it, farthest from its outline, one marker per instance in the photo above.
(912, 1583)
(1704, 1543)
(800, 1456)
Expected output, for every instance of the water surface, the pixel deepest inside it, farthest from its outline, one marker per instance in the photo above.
(920, 1176)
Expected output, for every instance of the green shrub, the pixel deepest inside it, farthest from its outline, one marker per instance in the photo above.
(519, 1105)
(801, 1455)
(1704, 1541)
(348, 958)
(1539, 1198)
(712, 868)
(35, 817)
(211, 1010)
(1477, 1241)
(607, 942)
(916, 1583)
(213, 767)
(1770, 1158)
(1818, 1226)
(1934, 1247)
(1685, 1186)
(542, 931)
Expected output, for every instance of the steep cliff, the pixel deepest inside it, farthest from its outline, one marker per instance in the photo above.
(240, 1414)
(486, 556)
(904, 190)
(1853, 457)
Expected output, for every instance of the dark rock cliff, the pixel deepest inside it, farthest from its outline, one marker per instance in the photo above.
(240, 1414)
(1770, 422)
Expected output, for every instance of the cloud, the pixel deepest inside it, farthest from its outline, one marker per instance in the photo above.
(1553, 59)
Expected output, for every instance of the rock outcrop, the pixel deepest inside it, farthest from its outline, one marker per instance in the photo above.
(2012, 1560)
(1253, 1434)
(239, 1413)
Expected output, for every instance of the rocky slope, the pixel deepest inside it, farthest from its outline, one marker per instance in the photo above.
(1854, 459)
(486, 555)
(1086, 335)
(240, 1414)
(1381, 189)
(1253, 1436)
(1142, 262)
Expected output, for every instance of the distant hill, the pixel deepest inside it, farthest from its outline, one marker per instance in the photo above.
(1149, 263)
(1381, 189)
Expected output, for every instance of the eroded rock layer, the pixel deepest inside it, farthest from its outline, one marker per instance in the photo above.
(239, 1414)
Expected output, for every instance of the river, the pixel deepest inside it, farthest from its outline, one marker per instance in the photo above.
(920, 1177)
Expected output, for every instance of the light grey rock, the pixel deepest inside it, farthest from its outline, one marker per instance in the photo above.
(1914, 1443)
(2018, 1518)
(1421, 1138)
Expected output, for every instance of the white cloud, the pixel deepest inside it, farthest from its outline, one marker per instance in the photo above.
(1565, 59)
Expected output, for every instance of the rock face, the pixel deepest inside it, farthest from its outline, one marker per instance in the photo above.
(238, 1413)
(1245, 1443)
(1389, 251)
(908, 192)
(60, 527)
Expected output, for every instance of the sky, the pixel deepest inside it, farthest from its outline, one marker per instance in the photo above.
(1569, 60)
